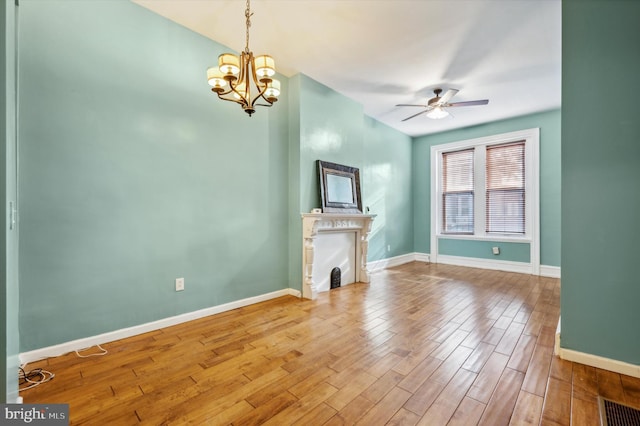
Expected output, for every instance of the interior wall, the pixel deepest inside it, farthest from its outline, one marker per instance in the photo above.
(550, 150)
(133, 173)
(600, 175)
(387, 190)
(334, 128)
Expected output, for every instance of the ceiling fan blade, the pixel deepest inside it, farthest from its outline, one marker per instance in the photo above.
(415, 115)
(445, 98)
(468, 103)
(423, 106)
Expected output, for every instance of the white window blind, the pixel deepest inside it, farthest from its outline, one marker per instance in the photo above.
(505, 182)
(457, 192)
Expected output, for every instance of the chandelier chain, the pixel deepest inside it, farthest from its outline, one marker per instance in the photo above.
(247, 14)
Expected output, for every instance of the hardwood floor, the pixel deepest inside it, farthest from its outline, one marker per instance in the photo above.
(421, 344)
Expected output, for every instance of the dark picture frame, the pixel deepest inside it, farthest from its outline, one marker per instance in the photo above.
(339, 188)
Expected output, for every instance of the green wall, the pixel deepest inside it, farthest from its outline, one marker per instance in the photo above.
(600, 177)
(512, 252)
(333, 128)
(549, 124)
(132, 174)
(386, 178)
(9, 336)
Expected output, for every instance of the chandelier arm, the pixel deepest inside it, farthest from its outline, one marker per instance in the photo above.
(245, 57)
(261, 86)
(238, 101)
(261, 96)
(242, 101)
(247, 85)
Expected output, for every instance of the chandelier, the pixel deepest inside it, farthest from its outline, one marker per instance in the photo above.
(245, 79)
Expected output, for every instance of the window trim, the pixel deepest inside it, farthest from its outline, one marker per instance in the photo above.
(532, 191)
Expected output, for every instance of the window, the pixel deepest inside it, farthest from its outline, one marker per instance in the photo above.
(505, 189)
(457, 192)
(486, 189)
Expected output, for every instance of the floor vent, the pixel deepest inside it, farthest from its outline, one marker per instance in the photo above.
(615, 414)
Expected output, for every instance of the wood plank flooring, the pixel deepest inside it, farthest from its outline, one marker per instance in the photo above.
(421, 344)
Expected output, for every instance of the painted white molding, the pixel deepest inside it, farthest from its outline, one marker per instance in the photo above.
(74, 345)
(603, 363)
(524, 268)
(609, 364)
(502, 265)
(390, 262)
(550, 271)
(314, 223)
(556, 343)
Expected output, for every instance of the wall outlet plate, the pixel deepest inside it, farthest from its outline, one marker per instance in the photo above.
(179, 284)
(496, 250)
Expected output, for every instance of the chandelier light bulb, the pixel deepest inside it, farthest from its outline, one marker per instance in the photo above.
(265, 66)
(273, 89)
(229, 64)
(216, 79)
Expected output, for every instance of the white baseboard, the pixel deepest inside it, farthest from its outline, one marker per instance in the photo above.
(422, 257)
(63, 348)
(520, 267)
(556, 343)
(472, 262)
(550, 271)
(376, 265)
(603, 363)
(500, 265)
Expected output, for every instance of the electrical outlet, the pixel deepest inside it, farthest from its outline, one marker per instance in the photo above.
(496, 250)
(179, 284)
(388, 247)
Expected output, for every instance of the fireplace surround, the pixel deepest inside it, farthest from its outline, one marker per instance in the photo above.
(314, 226)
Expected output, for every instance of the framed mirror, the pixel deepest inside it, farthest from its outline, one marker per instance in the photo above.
(339, 188)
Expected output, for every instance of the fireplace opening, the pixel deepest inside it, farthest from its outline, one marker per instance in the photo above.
(336, 276)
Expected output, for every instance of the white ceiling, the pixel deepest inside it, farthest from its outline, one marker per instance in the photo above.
(384, 52)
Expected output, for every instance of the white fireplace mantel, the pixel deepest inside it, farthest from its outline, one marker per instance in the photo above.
(314, 224)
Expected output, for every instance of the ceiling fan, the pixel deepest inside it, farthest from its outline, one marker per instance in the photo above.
(435, 107)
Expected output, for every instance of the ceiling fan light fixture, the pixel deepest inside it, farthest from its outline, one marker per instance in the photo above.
(437, 113)
(436, 108)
